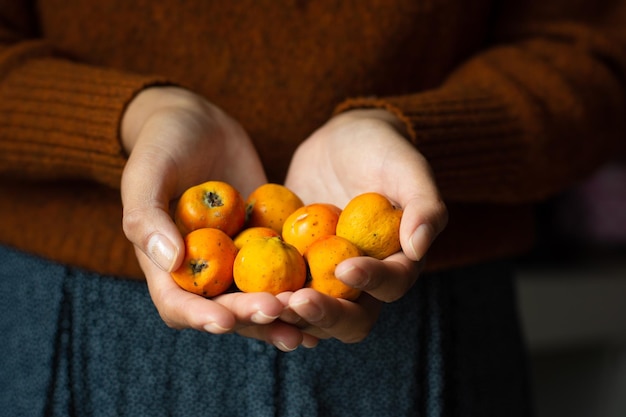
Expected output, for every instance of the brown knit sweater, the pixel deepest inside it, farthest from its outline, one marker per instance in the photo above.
(510, 102)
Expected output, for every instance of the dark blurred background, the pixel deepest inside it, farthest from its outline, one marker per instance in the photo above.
(572, 296)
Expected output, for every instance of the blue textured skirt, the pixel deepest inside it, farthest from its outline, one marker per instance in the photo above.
(74, 343)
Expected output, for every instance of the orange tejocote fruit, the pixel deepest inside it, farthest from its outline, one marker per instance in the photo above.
(207, 268)
(246, 235)
(372, 223)
(308, 223)
(213, 204)
(269, 265)
(323, 257)
(270, 204)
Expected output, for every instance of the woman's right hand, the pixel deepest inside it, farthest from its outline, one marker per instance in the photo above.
(177, 139)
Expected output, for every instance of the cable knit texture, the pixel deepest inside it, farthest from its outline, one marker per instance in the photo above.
(509, 104)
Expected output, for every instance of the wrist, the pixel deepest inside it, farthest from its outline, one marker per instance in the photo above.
(146, 104)
(380, 114)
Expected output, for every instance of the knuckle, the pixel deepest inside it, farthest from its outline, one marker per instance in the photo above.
(131, 222)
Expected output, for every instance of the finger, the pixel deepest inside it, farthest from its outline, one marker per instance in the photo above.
(146, 190)
(283, 336)
(347, 321)
(309, 341)
(422, 221)
(424, 213)
(251, 308)
(288, 315)
(257, 314)
(152, 231)
(291, 317)
(181, 309)
(411, 184)
(386, 280)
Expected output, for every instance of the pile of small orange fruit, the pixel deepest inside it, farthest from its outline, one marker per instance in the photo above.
(273, 242)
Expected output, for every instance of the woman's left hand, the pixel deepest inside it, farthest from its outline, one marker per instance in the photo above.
(355, 152)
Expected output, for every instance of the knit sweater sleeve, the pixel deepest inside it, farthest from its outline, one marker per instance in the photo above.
(58, 118)
(537, 110)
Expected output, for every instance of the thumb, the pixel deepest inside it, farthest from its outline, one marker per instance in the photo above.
(152, 231)
(422, 221)
(146, 219)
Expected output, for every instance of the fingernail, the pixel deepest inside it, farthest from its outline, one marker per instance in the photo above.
(162, 252)
(420, 241)
(261, 318)
(282, 346)
(302, 302)
(353, 276)
(310, 344)
(215, 328)
(342, 270)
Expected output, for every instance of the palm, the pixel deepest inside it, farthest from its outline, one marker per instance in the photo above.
(353, 153)
(203, 152)
(340, 161)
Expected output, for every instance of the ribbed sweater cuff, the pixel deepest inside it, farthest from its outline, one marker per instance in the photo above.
(60, 119)
(471, 139)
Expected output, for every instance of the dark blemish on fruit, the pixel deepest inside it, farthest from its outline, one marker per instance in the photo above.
(212, 199)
